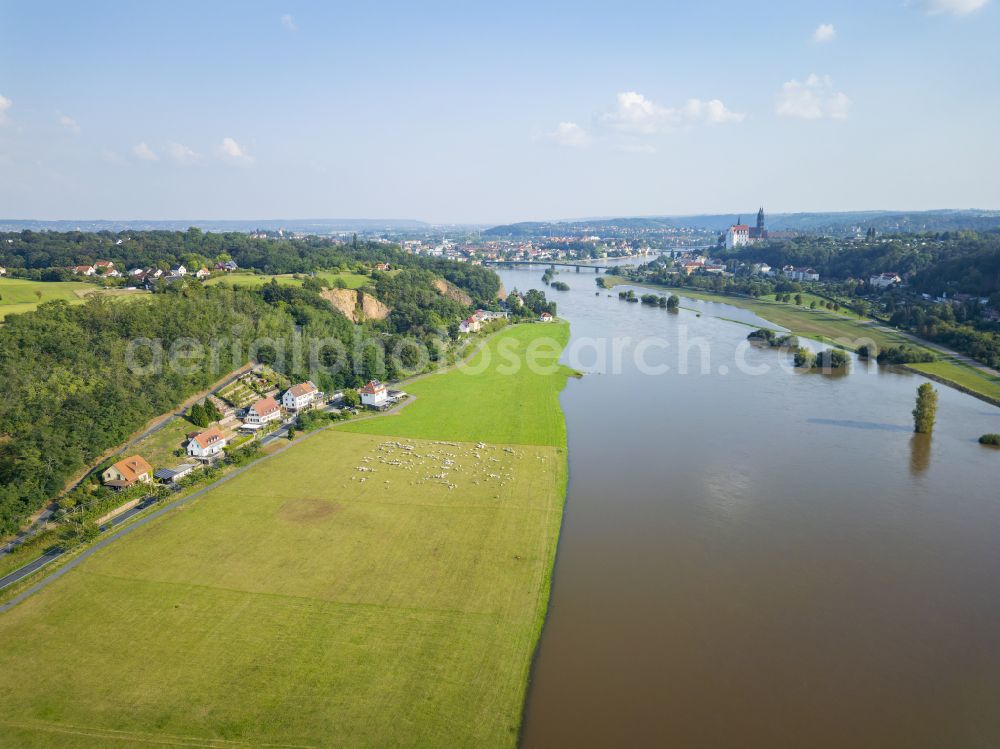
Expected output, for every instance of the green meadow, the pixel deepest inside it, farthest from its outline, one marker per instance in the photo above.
(379, 589)
(18, 295)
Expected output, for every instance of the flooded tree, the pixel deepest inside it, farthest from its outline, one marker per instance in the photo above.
(926, 409)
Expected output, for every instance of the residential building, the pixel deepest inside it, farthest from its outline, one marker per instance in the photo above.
(469, 325)
(180, 270)
(884, 280)
(738, 235)
(84, 270)
(229, 266)
(175, 474)
(127, 472)
(545, 317)
(3, 271)
(374, 394)
(202, 273)
(383, 267)
(299, 396)
(207, 445)
(261, 412)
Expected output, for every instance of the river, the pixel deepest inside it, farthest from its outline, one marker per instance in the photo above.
(762, 559)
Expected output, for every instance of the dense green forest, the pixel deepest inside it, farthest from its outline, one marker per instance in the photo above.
(956, 262)
(71, 388)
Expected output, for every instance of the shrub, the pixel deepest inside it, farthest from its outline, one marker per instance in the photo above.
(990, 439)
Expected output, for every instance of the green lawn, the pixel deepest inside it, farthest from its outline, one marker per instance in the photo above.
(963, 375)
(158, 448)
(352, 280)
(18, 295)
(309, 603)
(472, 405)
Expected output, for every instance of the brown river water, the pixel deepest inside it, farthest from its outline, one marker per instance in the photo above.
(763, 560)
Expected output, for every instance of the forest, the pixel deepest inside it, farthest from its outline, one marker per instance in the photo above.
(949, 262)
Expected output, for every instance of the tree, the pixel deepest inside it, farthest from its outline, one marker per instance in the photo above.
(198, 416)
(673, 302)
(352, 399)
(926, 409)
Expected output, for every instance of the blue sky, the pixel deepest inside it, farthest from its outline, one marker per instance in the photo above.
(461, 112)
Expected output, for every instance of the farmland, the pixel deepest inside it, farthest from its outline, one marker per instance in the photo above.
(356, 589)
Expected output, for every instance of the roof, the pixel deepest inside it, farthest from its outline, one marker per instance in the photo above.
(265, 406)
(303, 388)
(373, 387)
(208, 437)
(132, 468)
(740, 227)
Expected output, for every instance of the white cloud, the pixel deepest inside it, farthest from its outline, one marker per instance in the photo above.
(234, 153)
(288, 22)
(144, 152)
(812, 99)
(636, 114)
(5, 104)
(825, 32)
(69, 123)
(181, 153)
(569, 134)
(952, 7)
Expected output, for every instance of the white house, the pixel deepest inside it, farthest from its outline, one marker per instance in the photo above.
(84, 270)
(202, 273)
(299, 396)
(3, 271)
(374, 394)
(545, 317)
(738, 235)
(884, 280)
(469, 325)
(261, 412)
(762, 269)
(206, 445)
(180, 270)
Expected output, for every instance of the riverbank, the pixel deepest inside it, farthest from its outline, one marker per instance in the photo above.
(845, 330)
(392, 585)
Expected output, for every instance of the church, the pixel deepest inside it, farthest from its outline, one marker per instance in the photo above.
(740, 234)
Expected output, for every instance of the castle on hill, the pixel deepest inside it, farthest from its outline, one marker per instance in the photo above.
(740, 234)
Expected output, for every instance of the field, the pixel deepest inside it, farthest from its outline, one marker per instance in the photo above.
(18, 295)
(353, 590)
(158, 448)
(352, 280)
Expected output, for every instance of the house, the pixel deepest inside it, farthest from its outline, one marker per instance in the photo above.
(127, 472)
(229, 266)
(545, 317)
(469, 325)
(202, 273)
(374, 394)
(207, 445)
(179, 270)
(137, 273)
(299, 396)
(261, 412)
(762, 269)
(383, 267)
(3, 271)
(84, 270)
(104, 266)
(175, 474)
(884, 280)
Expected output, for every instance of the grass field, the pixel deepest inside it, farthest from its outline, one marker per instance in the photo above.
(352, 280)
(158, 448)
(18, 295)
(354, 590)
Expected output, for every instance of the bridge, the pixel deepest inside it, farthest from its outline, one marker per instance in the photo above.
(548, 264)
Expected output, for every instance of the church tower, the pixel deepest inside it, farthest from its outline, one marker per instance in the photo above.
(760, 220)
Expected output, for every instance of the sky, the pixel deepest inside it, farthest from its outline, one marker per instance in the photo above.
(466, 112)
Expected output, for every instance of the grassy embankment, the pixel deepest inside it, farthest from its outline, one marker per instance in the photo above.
(844, 328)
(18, 295)
(352, 280)
(307, 602)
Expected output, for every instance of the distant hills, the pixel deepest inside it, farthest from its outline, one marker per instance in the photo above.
(306, 226)
(811, 223)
